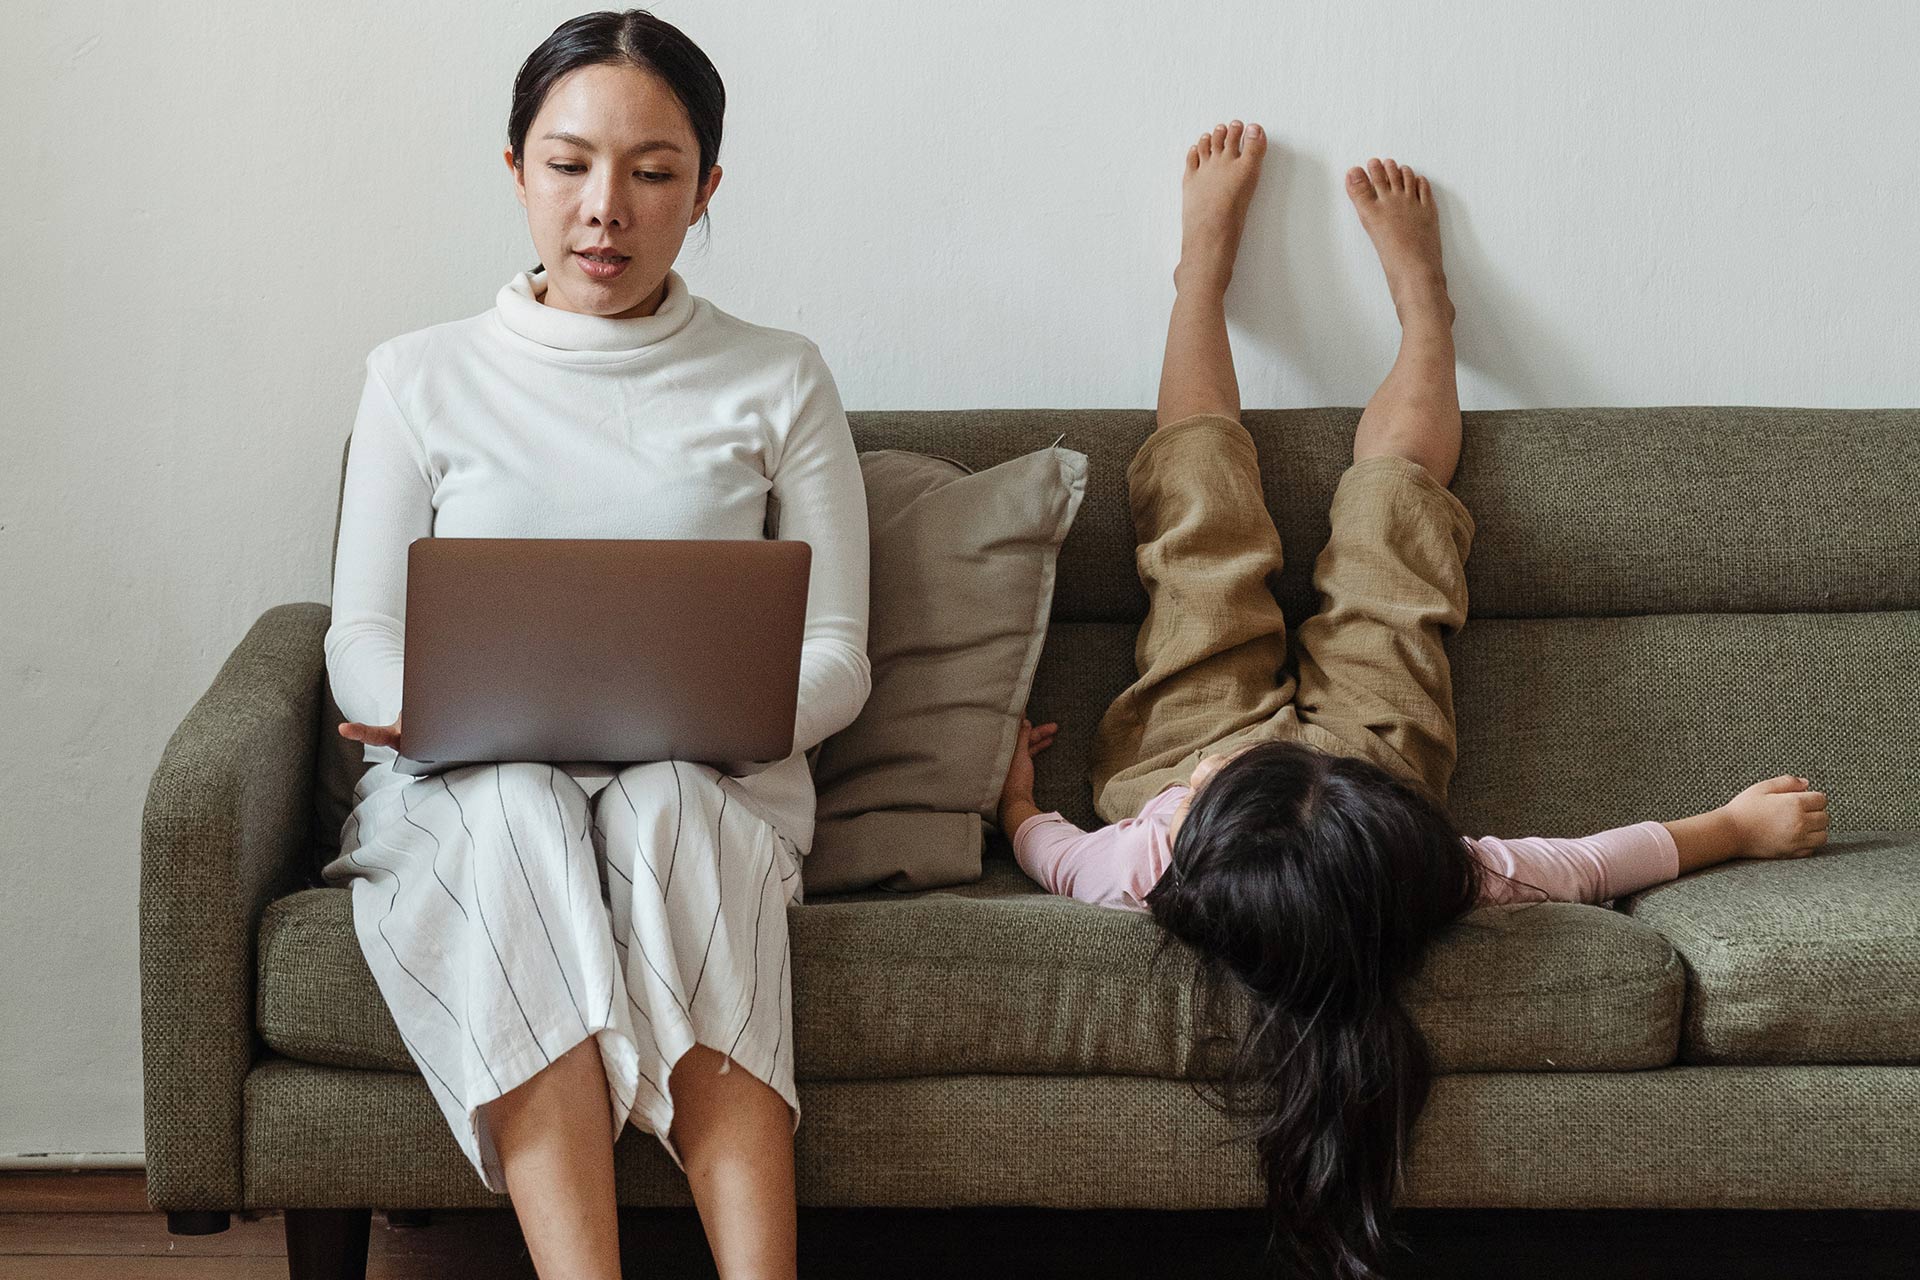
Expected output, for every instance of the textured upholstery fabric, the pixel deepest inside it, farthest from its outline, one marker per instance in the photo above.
(222, 834)
(963, 580)
(1689, 1137)
(1666, 604)
(1004, 978)
(1813, 960)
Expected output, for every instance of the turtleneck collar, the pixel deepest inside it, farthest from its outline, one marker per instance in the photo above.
(521, 310)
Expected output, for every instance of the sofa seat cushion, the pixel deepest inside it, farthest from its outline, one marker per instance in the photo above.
(1808, 960)
(997, 977)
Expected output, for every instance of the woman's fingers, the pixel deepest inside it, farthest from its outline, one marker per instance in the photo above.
(374, 734)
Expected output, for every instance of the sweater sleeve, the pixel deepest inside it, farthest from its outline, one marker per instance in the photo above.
(1110, 866)
(386, 502)
(1593, 868)
(823, 502)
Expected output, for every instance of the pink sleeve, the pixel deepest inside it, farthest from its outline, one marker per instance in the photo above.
(1100, 866)
(1593, 868)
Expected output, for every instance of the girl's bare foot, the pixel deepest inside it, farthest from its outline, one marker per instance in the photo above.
(1215, 190)
(1416, 411)
(1397, 209)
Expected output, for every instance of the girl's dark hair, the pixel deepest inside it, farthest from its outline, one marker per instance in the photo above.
(1311, 885)
(633, 38)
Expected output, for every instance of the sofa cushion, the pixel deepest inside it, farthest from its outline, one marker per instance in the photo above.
(1809, 960)
(997, 977)
(962, 583)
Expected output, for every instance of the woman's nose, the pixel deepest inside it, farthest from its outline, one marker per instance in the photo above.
(605, 203)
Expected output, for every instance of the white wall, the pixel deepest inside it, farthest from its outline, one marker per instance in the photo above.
(214, 211)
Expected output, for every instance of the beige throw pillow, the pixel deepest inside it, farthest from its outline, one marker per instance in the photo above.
(961, 585)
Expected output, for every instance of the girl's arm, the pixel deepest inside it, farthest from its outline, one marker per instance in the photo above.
(1111, 867)
(1016, 793)
(1777, 818)
(1015, 812)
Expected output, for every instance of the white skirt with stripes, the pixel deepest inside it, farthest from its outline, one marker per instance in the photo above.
(510, 911)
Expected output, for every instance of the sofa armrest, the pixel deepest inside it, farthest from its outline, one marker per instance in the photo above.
(225, 831)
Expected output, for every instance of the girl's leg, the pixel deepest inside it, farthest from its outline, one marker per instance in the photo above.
(1373, 664)
(1210, 653)
(1416, 411)
(1196, 373)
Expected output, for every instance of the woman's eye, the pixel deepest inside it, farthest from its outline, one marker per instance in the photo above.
(650, 175)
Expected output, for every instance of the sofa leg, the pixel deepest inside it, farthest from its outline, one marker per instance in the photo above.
(197, 1222)
(327, 1244)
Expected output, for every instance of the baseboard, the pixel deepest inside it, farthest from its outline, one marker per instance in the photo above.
(74, 1191)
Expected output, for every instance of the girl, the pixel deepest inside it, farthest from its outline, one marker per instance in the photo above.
(1292, 830)
(568, 947)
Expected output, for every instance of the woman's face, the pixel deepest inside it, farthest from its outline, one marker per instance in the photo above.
(610, 160)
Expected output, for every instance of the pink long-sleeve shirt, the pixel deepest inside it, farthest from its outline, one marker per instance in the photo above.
(1116, 865)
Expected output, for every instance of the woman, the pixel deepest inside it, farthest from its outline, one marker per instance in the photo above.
(1292, 831)
(569, 947)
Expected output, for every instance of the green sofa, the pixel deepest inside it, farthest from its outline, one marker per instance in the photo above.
(1667, 604)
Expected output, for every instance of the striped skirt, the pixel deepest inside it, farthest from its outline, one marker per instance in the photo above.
(508, 912)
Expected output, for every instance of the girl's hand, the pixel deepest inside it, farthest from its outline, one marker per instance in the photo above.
(371, 734)
(1212, 764)
(1779, 818)
(1032, 741)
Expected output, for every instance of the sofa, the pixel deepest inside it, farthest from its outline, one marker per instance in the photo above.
(1666, 605)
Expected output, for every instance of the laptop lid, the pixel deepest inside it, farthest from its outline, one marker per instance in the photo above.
(601, 649)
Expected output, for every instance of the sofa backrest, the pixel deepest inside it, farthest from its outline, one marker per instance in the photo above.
(1666, 604)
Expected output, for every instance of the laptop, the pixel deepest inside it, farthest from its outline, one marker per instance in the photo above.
(623, 650)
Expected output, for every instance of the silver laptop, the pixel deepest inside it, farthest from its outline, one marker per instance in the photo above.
(601, 649)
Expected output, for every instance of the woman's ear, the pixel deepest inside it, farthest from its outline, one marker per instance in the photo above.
(519, 180)
(706, 195)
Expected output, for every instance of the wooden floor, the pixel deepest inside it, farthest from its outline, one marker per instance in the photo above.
(97, 1227)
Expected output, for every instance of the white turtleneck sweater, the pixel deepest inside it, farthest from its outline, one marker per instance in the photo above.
(527, 421)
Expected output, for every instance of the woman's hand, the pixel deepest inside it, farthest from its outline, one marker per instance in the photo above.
(1019, 785)
(1779, 818)
(372, 734)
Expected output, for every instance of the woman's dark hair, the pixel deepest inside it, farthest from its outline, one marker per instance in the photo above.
(1311, 885)
(634, 38)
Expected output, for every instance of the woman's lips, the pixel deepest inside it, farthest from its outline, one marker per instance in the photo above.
(597, 270)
